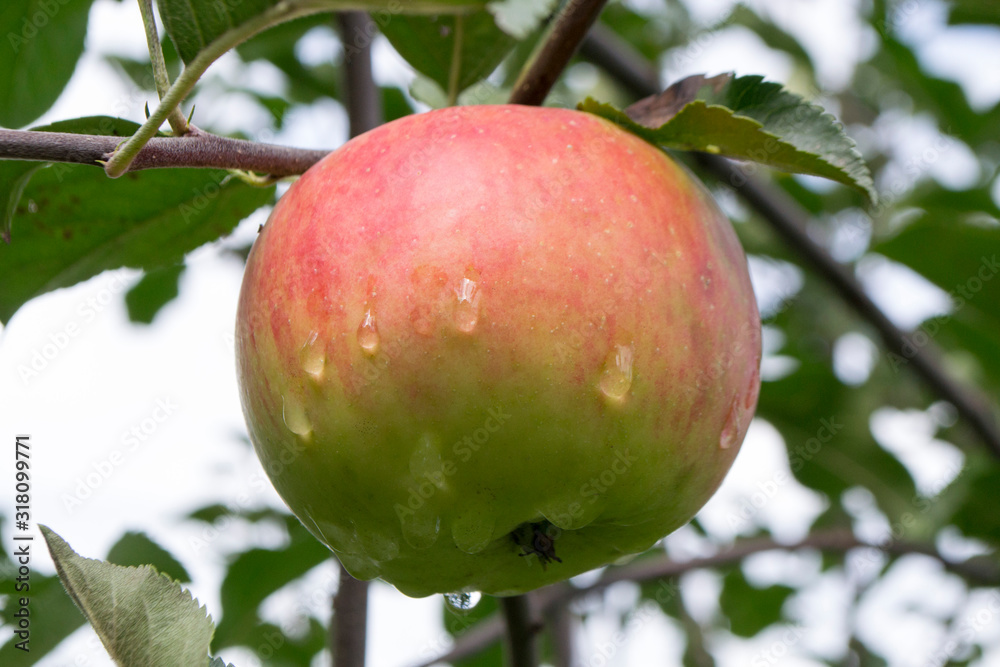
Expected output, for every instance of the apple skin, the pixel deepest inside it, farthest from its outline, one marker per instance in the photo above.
(483, 332)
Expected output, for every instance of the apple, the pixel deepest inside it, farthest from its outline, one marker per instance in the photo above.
(489, 348)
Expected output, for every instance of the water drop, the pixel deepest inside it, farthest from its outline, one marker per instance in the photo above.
(731, 429)
(616, 380)
(378, 546)
(294, 416)
(368, 333)
(753, 391)
(313, 357)
(426, 464)
(420, 528)
(462, 603)
(473, 530)
(467, 308)
(422, 319)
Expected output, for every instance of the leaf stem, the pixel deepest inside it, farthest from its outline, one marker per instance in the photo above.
(553, 54)
(178, 123)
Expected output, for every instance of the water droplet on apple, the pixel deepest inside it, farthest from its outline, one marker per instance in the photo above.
(313, 357)
(731, 429)
(462, 603)
(426, 464)
(473, 530)
(294, 416)
(378, 546)
(422, 319)
(420, 528)
(467, 308)
(616, 380)
(753, 391)
(368, 337)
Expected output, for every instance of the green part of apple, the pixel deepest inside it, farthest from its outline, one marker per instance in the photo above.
(489, 348)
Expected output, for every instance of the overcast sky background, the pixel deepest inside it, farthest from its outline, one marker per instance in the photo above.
(112, 376)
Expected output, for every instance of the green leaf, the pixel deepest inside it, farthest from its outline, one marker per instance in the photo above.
(156, 289)
(42, 42)
(429, 45)
(519, 18)
(772, 35)
(962, 259)
(74, 223)
(974, 11)
(194, 24)
(750, 609)
(749, 119)
(137, 549)
(257, 573)
(54, 616)
(142, 617)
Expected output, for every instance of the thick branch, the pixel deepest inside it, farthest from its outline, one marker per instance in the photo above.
(364, 108)
(349, 622)
(789, 220)
(196, 149)
(364, 100)
(558, 46)
(521, 631)
(483, 634)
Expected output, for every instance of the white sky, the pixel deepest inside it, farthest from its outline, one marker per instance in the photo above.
(112, 376)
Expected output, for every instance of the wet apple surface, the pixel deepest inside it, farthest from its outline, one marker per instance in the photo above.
(489, 348)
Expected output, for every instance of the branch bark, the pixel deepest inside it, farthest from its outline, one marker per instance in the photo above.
(560, 43)
(195, 149)
(521, 631)
(348, 627)
(364, 109)
(789, 220)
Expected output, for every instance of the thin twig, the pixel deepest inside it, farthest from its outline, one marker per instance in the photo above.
(178, 123)
(196, 149)
(789, 220)
(558, 46)
(348, 627)
(120, 162)
(521, 631)
(490, 630)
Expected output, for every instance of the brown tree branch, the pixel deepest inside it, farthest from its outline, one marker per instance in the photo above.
(521, 630)
(560, 43)
(195, 149)
(789, 220)
(490, 630)
(348, 627)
